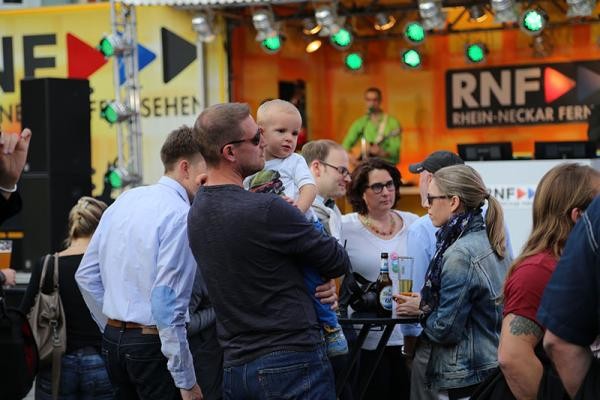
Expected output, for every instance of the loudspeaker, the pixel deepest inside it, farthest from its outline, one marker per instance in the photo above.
(59, 168)
(58, 113)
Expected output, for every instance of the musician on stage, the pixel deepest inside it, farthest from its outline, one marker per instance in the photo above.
(375, 134)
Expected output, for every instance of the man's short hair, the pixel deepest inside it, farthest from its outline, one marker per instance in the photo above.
(319, 149)
(181, 143)
(374, 90)
(217, 125)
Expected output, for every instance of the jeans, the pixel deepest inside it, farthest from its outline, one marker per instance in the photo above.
(208, 362)
(136, 365)
(82, 376)
(282, 375)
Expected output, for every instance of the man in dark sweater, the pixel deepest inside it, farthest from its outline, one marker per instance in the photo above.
(251, 248)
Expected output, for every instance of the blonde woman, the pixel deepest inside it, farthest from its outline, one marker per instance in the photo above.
(83, 374)
(458, 305)
(561, 196)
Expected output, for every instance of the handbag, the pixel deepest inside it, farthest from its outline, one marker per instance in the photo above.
(47, 320)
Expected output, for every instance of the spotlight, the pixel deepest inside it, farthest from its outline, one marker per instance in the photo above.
(411, 58)
(477, 13)
(327, 18)
(112, 45)
(476, 52)
(533, 21)
(414, 32)
(353, 61)
(271, 45)
(580, 8)
(313, 46)
(202, 24)
(119, 177)
(384, 22)
(115, 112)
(504, 10)
(432, 15)
(310, 27)
(342, 39)
(264, 23)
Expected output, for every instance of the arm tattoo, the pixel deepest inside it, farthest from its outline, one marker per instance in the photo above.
(523, 326)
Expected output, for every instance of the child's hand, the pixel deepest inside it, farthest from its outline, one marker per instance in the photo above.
(290, 201)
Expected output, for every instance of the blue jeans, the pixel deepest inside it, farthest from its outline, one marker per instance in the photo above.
(82, 376)
(325, 315)
(136, 365)
(299, 375)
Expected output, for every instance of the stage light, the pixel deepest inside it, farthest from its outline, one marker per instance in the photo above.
(476, 52)
(580, 8)
(353, 61)
(326, 17)
(264, 23)
(431, 14)
(310, 27)
(414, 32)
(271, 45)
(313, 46)
(411, 58)
(202, 24)
(477, 13)
(342, 39)
(384, 22)
(119, 177)
(112, 45)
(533, 21)
(504, 10)
(114, 112)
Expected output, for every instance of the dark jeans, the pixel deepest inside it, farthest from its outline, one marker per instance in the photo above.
(82, 376)
(299, 375)
(208, 362)
(136, 366)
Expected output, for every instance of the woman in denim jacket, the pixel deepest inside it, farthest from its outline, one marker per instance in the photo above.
(459, 304)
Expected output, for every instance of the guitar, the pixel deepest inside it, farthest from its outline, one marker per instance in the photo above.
(362, 150)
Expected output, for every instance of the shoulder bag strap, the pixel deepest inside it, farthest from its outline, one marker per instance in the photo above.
(56, 351)
(44, 269)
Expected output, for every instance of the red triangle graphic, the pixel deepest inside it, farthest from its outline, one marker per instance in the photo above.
(83, 59)
(556, 84)
(520, 193)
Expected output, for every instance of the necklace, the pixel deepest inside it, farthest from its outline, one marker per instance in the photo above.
(369, 224)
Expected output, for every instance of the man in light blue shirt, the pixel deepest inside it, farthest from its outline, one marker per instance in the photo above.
(136, 278)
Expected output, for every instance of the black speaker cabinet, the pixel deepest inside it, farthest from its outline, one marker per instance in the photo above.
(58, 113)
(59, 162)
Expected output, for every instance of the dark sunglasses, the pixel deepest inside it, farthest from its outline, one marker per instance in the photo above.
(378, 187)
(431, 198)
(255, 140)
(342, 170)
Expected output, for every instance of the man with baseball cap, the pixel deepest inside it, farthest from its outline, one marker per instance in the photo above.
(421, 244)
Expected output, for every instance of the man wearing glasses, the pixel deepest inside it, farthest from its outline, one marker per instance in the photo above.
(250, 248)
(375, 134)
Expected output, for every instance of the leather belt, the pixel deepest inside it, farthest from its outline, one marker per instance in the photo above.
(146, 329)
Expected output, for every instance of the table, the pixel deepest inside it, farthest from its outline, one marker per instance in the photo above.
(368, 322)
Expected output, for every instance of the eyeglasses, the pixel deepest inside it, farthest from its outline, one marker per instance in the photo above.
(378, 187)
(431, 198)
(342, 170)
(255, 140)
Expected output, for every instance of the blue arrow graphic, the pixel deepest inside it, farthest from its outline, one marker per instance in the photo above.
(145, 57)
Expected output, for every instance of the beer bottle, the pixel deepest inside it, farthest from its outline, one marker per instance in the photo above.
(384, 289)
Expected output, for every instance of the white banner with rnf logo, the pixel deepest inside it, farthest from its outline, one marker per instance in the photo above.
(513, 196)
(522, 95)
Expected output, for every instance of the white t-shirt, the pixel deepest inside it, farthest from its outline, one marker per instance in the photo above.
(364, 249)
(293, 174)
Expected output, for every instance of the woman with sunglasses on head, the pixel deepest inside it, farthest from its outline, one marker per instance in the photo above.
(560, 198)
(375, 228)
(459, 307)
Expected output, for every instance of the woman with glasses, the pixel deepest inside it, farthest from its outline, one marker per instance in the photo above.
(375, 228)
(459, 303)
(560, 198)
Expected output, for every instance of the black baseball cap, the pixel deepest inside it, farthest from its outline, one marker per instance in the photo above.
(436, 160)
